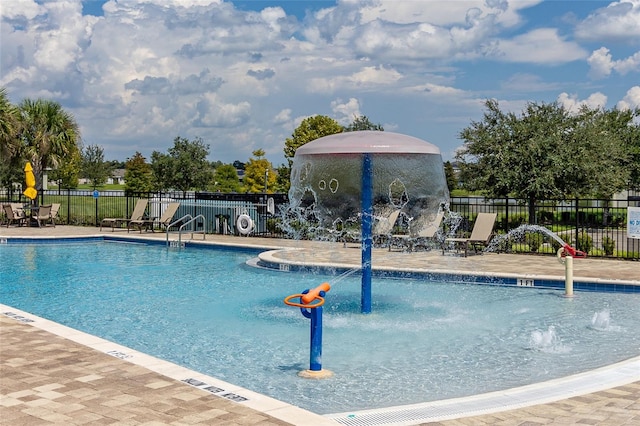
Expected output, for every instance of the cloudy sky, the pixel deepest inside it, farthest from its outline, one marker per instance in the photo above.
(243, 74)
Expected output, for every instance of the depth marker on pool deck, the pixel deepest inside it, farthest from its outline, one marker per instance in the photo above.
(214, 390)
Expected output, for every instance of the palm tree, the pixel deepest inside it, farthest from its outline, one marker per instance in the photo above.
(48, 135)
(8, 122)
(9, 142)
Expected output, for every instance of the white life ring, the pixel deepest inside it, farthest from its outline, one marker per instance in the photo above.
(244, 224)
(271, 206)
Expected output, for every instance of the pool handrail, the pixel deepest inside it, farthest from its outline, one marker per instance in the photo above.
(189, 220)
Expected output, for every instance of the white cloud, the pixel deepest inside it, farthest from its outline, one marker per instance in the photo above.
(216, 113)
(50, 36)
(437, 90)
(542, 46)
(366, 78)
(346, 112)
(283, 116)
(443, 13)
(619, 21)
(21, 9)
(601, 64)
(572, 104)
(631, 100)
(150, 70)
(630, 64)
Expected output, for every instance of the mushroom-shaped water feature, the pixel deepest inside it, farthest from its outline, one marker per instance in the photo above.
(357, 177)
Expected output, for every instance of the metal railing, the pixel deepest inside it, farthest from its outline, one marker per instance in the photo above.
(185, 221)
(593, 225)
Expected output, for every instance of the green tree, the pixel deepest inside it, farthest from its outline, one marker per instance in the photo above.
(599, 138)
(68, 172)
(9, 124)
(622, 129)
(283, 178)
(259, 173)
(138, 176)
(362, 122)
(226, 179)
(161, 168)
(10, 160)
(94, 167)
(48, 135)
(310, 129)
(633, 148)
(115, 164)
(544, 153)
(450, 176)
(185, 167)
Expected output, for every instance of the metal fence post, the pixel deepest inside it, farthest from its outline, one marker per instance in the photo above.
(577, 221)
(68, 207)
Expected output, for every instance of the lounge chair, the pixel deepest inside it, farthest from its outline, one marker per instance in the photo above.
(425, 234)
(165, 219)
(41, 215)
(55, 208)
(383, 227)
(138, 214)
(14, 214)
(480, 235)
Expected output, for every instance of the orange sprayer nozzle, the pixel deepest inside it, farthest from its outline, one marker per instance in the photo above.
(315, 292)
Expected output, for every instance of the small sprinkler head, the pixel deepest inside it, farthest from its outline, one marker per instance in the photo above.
(573, 252)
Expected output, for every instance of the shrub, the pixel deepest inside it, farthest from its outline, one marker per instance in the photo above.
(517, 220)
(274, 225)
(547, 249)
(608, 245)
(534, 240)
(503, 245)
(545, 216)
(585, 242)
(520, 248)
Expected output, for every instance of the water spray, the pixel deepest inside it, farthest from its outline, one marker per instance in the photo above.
(344, 275)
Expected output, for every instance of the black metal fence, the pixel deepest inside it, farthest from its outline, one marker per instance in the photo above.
(598, 227)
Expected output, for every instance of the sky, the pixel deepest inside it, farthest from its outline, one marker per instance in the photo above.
(242, 75)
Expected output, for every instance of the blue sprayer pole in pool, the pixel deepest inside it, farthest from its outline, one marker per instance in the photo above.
(310, 305)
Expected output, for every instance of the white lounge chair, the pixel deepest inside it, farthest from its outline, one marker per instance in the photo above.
(41, 215)
(426, 234)
(164, 220)
(383, 227)
(14, 213)
(137, 214)
(480, 235)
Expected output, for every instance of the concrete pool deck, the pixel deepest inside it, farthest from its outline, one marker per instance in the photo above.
(49, 378)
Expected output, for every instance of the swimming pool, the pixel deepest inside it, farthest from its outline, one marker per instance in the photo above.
(205, 309)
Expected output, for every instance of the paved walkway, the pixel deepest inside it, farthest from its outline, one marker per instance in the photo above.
(49, 379)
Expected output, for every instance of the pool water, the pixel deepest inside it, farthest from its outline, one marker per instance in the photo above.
(207, 310)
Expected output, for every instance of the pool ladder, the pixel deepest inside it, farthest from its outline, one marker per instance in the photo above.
(188, 220)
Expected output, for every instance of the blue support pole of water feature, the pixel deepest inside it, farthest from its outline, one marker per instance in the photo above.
(315, 341)
(310, 305)
(366, 204)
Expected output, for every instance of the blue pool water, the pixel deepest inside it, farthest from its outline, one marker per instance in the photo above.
(207, 310)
